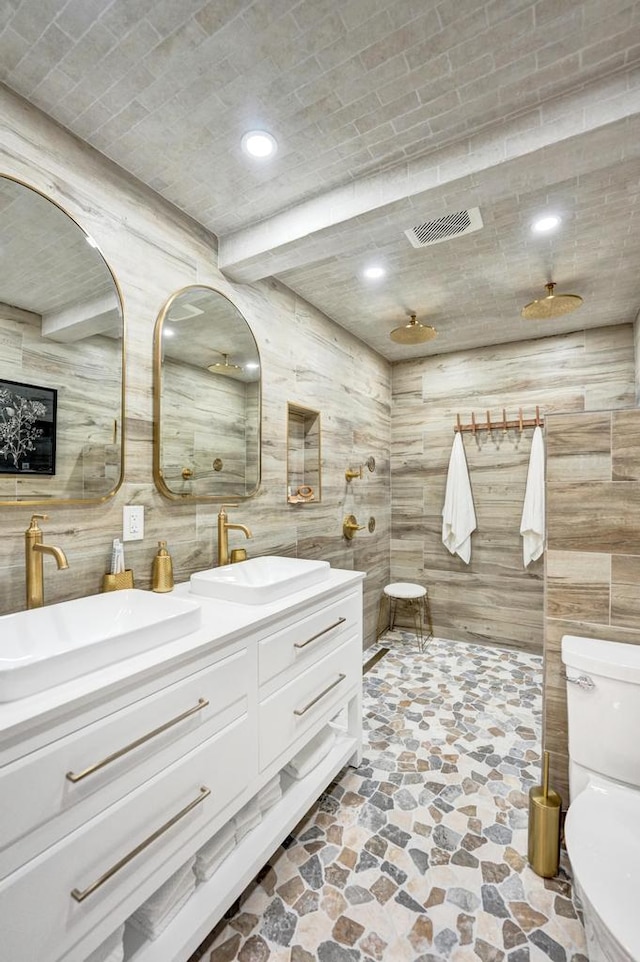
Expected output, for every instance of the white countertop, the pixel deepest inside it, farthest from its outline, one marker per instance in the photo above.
(222, 622)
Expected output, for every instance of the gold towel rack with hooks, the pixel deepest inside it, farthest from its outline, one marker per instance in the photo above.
(500, 425)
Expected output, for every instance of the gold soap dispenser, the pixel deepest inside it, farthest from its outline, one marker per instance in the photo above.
(162, 574)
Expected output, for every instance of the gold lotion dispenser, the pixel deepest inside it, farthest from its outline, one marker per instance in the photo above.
(162, 574)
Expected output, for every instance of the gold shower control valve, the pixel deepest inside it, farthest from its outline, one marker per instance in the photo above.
(350, 526)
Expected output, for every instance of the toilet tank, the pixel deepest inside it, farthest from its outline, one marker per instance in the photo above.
(603, 710)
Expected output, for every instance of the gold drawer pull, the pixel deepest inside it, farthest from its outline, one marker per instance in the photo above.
(81, 896)
(302, 644)
(301, 711)
(202, 703)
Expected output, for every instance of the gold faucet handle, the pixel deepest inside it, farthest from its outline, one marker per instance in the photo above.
(33, 526)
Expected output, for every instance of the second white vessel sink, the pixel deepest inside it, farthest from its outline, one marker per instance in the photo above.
(259, 581)
(43, 647)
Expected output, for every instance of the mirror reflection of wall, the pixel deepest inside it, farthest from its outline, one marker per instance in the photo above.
(207, 399)
(61, 336)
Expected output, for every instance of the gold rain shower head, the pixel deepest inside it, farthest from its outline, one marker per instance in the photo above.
(553, 305)
(413, 333)
(224, 367)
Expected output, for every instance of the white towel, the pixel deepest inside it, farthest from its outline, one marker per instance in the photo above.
(116, 955)
(312, 753)
(111, 950)
(153, 929)
(158, 905)
(532, 524)
(269, 794)
(214, 852)
(217, 842)
(458, 514)
(211, 861)
(247, 818)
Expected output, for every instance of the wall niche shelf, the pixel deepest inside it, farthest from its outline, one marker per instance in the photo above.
(304, 481)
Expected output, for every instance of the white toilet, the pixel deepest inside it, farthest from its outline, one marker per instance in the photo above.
(602, 828)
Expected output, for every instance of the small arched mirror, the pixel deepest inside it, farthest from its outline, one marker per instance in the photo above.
(207, 399)
(61, 357)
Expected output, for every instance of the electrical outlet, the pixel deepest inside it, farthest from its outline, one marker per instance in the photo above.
(133, 522)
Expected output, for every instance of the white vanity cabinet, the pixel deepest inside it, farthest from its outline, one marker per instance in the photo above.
(110, 784)
(304, 671)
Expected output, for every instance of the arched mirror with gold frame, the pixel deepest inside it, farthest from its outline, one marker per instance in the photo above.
(207, 399)
(62, 360)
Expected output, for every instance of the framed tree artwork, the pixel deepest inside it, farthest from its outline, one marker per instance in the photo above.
(27, 428)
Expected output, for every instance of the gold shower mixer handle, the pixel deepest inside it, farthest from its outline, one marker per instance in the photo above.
(350, 526)
(350, 474)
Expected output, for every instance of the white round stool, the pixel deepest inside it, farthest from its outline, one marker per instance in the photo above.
(415, 597)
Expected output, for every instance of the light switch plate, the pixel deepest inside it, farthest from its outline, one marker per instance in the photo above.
(133, 522)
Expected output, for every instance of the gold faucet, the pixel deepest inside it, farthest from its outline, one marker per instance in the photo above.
(224, 526)
(34, 549)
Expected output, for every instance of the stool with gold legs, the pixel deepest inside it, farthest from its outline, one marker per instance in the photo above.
(416, 599)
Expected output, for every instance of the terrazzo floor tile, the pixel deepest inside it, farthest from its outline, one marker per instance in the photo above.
(419, 855)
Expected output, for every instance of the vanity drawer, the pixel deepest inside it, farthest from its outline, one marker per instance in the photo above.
(50, 792)
(306, 641)
(39, 916)
(305, 701)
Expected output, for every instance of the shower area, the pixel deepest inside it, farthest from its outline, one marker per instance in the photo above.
(494, 600)
(586, 581)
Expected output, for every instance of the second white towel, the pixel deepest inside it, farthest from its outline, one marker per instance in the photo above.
(111, 950)
(270, 794)
(247, 819)
(532, 524)
(214, 852)
(154, 915)
(458, 513)
(312, 753)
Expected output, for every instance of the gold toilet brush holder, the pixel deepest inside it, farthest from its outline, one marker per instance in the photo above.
(545, 810)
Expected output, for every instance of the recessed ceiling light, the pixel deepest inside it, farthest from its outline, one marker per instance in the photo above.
(168, 332)
(545, 224)
(374, 273)
(259, 143)
(251, 366)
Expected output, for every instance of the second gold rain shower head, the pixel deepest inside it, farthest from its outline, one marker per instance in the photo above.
(553, 305)
(413, 333)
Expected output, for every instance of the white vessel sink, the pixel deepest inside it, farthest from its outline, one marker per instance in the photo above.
(259, 580)
(46, 646)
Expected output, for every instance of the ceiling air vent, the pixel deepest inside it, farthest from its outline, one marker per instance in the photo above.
(444, 228)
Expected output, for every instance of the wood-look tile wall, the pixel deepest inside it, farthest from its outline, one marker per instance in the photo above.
(306, 359)
(494, 599)
(215, 428)
(636, 333)
(593, 549)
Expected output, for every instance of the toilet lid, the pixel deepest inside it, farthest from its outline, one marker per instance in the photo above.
(601, 834)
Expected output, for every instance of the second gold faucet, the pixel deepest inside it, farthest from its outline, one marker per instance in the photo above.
(34, 549)
(224, 526)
